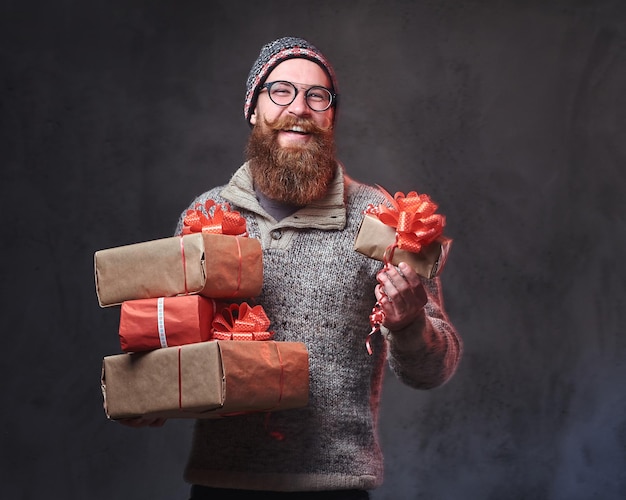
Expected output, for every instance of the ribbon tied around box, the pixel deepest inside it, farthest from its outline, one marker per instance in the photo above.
(216, 218)
(241, 322)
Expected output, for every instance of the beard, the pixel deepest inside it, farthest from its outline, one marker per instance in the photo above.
(294, 175)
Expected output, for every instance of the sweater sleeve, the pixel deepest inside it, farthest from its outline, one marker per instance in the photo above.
(426, 354)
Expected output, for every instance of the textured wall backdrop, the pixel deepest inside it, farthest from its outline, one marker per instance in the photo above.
(511, 115)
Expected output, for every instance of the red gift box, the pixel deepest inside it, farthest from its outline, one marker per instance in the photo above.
(147, 324)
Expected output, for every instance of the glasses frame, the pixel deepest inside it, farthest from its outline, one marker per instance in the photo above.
(331, 103)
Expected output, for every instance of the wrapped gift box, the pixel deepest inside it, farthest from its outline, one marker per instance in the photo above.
(374, 237)
(206, 380)
(147, 324)
(212, 265)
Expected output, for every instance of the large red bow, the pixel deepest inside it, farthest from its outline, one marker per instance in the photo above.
(214, 218)
(241, 322)
(413, 217)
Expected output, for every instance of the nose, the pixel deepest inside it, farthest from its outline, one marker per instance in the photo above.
(299, 107)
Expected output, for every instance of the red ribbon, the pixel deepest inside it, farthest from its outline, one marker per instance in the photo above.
(417, 225)
(184, 262)
(239, 270)
(214, 218)
(180, 379)
(413, 217)
(241, 322)
(377, 317)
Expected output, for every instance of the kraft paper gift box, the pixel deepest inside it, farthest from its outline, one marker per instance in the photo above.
(206, 380)
(212, 265)
(147, 324)
(374, 237)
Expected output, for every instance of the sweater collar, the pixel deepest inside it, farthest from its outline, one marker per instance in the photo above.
(327, 213)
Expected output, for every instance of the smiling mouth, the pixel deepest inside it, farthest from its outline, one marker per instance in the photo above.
(296, 130)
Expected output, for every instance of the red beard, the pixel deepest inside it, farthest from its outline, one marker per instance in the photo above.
(291, 175)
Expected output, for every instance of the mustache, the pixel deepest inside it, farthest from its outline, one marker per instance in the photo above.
(287, 122)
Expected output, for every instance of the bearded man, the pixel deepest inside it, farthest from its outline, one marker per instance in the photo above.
(299, 202)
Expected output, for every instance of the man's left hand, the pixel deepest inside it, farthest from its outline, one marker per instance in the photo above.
(401, 295)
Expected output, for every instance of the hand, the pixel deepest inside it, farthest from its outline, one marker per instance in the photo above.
(143, 422)
(401, 295)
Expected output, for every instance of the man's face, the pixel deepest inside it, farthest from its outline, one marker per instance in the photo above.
(304, 74)
(291, 150)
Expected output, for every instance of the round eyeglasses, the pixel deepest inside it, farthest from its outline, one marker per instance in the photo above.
(283, 93)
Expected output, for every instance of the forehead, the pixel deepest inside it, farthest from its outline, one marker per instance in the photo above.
(300, 71)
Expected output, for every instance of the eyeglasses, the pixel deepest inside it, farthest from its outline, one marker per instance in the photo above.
(283, 93)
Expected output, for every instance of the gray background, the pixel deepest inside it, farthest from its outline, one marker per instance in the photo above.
(510, 114)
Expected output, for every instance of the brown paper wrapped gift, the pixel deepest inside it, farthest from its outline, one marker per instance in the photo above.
(206, 380)
(212, 265)
(374, 237)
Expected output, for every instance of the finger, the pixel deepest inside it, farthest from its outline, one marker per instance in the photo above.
(392, 285)
(379, 292)
(411, 287)
(383, 300)
(404, 277)
(409, 274)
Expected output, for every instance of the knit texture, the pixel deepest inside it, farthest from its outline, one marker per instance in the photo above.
(319, 291)
(271, 55)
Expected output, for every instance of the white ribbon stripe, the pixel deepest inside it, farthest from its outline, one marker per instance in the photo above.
(161, 322)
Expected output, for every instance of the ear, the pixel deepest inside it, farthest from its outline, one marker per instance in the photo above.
(253, 117)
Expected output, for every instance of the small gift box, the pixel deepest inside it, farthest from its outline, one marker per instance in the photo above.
(202, 261)
(241, 322)
(147, 324)
(206, 380)
(409, 230)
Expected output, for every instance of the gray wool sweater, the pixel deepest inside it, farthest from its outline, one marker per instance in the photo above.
(319, 291)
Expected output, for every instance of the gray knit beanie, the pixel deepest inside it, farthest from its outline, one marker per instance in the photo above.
(273, 54)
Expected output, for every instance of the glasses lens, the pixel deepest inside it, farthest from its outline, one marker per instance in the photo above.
(282, 93)
(319, 98)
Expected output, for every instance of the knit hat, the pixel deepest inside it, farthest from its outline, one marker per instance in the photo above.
(272, 54)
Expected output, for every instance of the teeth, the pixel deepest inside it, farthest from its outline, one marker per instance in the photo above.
(297, 129)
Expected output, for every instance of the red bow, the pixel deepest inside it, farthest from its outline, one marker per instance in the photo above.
(413, 217)
(241, 322)
(214, 218)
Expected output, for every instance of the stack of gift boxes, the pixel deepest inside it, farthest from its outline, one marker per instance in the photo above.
(192, 346)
